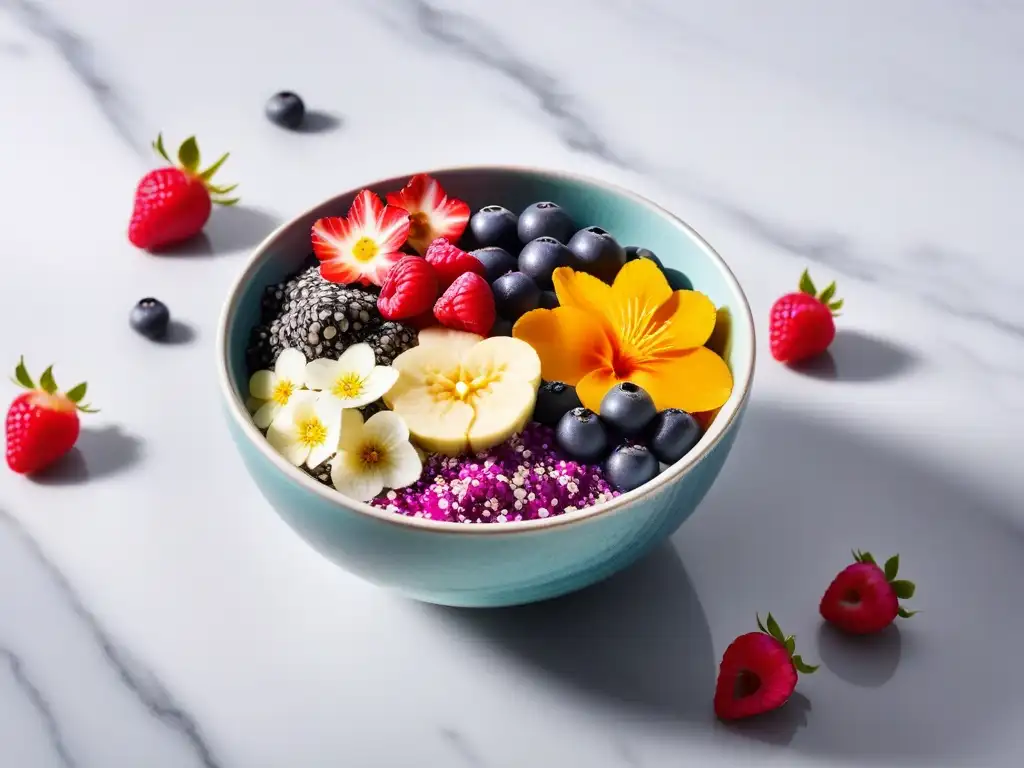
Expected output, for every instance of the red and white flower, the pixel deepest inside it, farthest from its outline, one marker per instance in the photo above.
(432, 213)
(362, 247)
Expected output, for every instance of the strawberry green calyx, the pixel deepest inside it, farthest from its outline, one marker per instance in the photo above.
(48, 385)
(826, 297)
(904, 589)
(771, 627)
(188, 161)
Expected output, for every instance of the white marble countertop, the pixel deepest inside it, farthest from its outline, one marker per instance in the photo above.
(155, 612)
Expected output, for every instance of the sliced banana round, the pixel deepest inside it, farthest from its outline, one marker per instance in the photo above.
(458, 394)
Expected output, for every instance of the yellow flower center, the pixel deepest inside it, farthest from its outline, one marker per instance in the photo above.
(418, 225)
(348, 386)
(282, 392)
(312, 432)
(371, 455)
(364, 249)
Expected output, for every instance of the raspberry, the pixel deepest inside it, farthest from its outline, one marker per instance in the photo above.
(450, 261)
(409, 290)
(467, 305)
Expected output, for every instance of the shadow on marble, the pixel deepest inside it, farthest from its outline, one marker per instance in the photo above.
(858, 357)
(797, 494)
(651, 656)
(231, 229)
(869, 661)
(319, 121)
(99, 452)
(776, 728)
(178, 333)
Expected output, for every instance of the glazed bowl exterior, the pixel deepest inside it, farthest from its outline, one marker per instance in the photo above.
(477, 565)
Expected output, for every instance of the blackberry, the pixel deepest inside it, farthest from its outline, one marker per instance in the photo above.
(389, 340)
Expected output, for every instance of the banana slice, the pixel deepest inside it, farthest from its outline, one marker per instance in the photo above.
(459, 392)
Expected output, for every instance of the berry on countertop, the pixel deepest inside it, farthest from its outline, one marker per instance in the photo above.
(432, 214)
(151, 318)
(758, 672)
(410, 289)
(597, 253)
(864, 598)
(582, 435)
(449, 261)
(554, 400)
(42, 424)
(515, 294)
(467, 305)
(501, 327)
(494, 226)
(801, 324)
(672, 434)
(497, 262)
(545, 219)
(634, 252)
(541, 257)
(173, 204)
(548, 300)
(628, 409)
(285, 109)
(629, 466)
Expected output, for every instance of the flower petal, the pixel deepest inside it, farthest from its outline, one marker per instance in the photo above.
(403, 466)
(386, 428)
(592, 388)
(696, 381)
(265, 415)
(351, 430)
(318, 454)
(328, 410)
(639, 290)
(321, 374)
(331, 237)
(340, 270)
(351, 479)
(358, 359)
(363, 214)
(392, 229)
(684, 321)
(300, 405)
(291, 366)
(262, 384)
(283, 438)
(567, 340)
(582, 291)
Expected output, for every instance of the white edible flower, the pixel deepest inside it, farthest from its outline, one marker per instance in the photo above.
(307, 430)
(270, 391)
(374, 455)
(353, 378)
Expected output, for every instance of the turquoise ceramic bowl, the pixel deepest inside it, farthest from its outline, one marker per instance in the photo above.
(499, 564)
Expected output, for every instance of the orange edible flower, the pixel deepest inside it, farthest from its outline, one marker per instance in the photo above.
(637, 329)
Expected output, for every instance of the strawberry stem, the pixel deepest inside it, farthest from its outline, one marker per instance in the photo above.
(189, 159)
(904, 589)
(21, 376)
(771, 627)
(826, 297)
(188, 154)
(46, 381)
(48, 384)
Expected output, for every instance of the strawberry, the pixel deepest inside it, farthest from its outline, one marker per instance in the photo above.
(758, 672)
(801, 324)
(432, 213)
(42, 424)
(172, 204)
(864, 598)
(409, 290)
(450, 261)
(467, 305)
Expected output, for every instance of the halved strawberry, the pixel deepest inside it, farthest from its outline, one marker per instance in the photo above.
(364, 246)
(432, 213)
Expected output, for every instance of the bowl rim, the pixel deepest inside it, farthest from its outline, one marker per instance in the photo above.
(723, 422)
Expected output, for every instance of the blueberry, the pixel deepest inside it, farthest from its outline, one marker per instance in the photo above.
(545, 220)
(515, 294)
(672, 434)
(581, 434)
(495, 226)
(630, 466)
(541, 257)
(598, 253)
(286, 109)
(501, 327)
(554, 400)
(548, 300)
(628, 409)
(634, 252)
(496, 261)
(150, 317)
